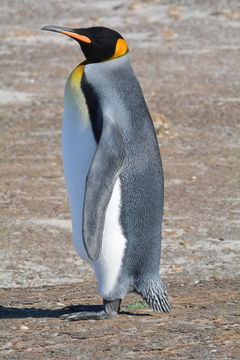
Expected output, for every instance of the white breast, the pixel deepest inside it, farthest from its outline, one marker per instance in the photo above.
(79, 146)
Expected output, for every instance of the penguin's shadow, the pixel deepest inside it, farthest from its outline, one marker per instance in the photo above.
(21, 313)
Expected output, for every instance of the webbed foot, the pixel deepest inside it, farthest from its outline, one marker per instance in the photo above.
(109, 310)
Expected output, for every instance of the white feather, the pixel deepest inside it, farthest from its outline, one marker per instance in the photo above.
(79, 146)
(108, 265)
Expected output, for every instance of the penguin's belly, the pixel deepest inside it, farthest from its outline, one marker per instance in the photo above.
(79, 146)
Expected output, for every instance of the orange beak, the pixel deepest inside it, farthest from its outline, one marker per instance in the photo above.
(67, 31)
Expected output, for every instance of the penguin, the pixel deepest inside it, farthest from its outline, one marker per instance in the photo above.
(113, 173)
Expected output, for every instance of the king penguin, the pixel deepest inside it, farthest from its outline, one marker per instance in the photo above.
(113, 173)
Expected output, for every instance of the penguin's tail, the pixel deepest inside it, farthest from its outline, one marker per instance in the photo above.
(154, 293)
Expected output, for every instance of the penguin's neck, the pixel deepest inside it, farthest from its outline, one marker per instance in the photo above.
(107, 76)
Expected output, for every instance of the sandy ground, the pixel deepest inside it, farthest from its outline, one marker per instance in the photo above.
(203, 324)
(186, 56)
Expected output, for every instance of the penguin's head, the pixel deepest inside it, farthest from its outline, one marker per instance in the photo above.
(97, 43)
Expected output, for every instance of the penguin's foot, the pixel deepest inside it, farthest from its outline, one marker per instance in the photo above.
(109, 311)
(88, 315)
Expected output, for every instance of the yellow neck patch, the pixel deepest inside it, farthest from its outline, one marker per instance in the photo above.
(75, 77)
(121, 48)
(74, 95)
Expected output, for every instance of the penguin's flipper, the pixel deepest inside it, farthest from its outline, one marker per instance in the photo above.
(106, 165)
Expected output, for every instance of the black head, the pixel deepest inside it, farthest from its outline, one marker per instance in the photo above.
(97, 43)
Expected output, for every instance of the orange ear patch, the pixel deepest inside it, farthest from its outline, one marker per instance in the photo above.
(121, 48)
(77, 36)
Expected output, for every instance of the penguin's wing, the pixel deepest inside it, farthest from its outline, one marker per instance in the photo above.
(102, 175)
